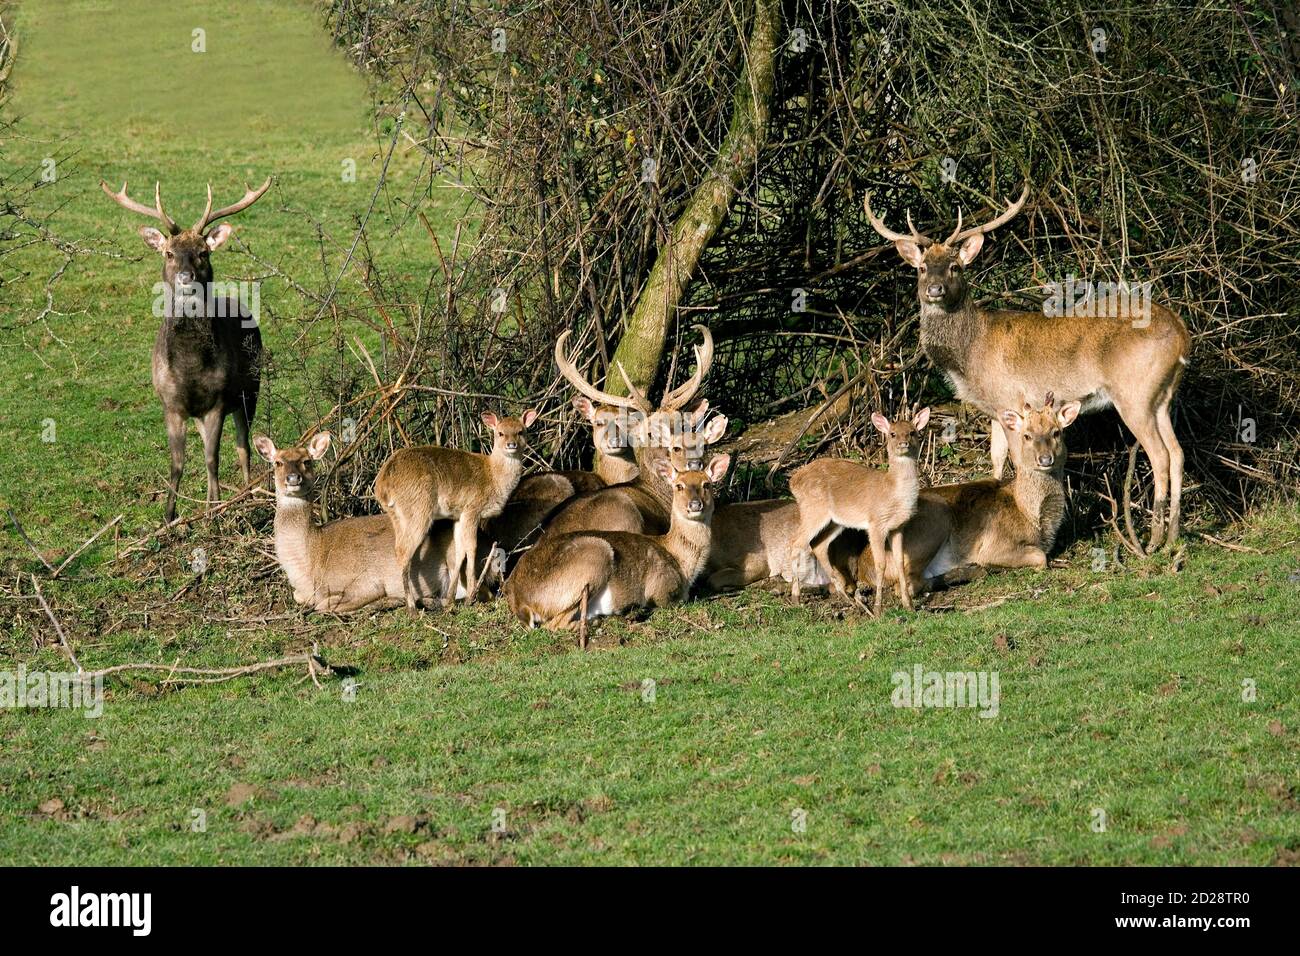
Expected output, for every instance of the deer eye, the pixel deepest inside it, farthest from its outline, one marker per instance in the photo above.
(921, 267)
(1056, 433)
(169, 254)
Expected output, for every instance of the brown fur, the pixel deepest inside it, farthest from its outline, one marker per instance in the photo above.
(349, 564)
(987, 523)
(994, 358)
(568, 578)
(836, 494)
(757, 540)
(417, 486)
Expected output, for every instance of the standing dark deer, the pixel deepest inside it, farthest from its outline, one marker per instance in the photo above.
(994, 358)
(207, 355)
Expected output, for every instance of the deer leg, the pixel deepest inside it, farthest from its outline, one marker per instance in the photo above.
(1147, 433)
(900, 561)
(877, 542)
(409, 533)
(210, 428)
(820, 546)
(1166, 425)
(582, 620)
(997, 447)
(467, 544)
(175, 422)
(240, 420)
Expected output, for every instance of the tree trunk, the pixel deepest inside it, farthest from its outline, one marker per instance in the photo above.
(642, 345)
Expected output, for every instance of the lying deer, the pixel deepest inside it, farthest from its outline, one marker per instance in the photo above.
(757, 540)
(350, 563)
(643, 504)
(611, 434)
(417, 486)
(988, 523)
(568, 579)
(993, 358)
(207, 354)
(835, 494)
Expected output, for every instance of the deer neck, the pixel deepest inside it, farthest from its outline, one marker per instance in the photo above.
(295, 540)
(688, 542)
(948, 335)
(1040, 496)
(615, 469)
(504, 472)
(906, 479)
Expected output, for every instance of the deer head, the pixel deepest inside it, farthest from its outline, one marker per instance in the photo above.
(902, 437)
(640, 422)
(1041, 444)
(692, 490)
(294, 468)
(940, 266)
(187, 268)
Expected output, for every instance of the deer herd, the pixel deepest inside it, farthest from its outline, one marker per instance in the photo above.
(643, 529)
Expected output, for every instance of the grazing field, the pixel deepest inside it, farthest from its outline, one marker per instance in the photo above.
(1147, 712)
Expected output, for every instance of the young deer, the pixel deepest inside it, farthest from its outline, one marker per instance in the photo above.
(643, 505)
(834, 494)
(989, 523)
(417, 486)
(1130, 360)
(568, 579)
(348, 564)
(207, 354)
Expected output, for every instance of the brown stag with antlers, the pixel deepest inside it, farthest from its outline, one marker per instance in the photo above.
(643, 505)
(207, 355)
(1129, 358)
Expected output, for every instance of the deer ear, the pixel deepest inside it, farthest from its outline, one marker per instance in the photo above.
(318, 446)
(265, 447)
(583, 406)
(154, 239)
(714, 430)
(969, 249)
(663, 467)
(218, 236)
(530, 416)
(1068, 413)
(717, 467)
(921, 418)
(489, 419)
(1010, 420)
(910, 252)
(698, 411)
(881, 423)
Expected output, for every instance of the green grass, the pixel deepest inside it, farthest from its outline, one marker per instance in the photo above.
(1121, 689)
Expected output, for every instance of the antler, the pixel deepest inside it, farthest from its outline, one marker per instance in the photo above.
(126, 202)
(878, 224)
(992, 224)
(679, 396)
(250, 196)
(579, 381)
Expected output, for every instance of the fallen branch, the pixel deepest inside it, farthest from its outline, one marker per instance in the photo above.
(93, 538)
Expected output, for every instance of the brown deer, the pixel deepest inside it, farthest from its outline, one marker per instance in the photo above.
(611, 434)
(417, 486)
(1130, 360)
(643, 505)
(757, 540)
(835, 494)
(207, 354)
(348, 564)
(989, 523)
(568, 579)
